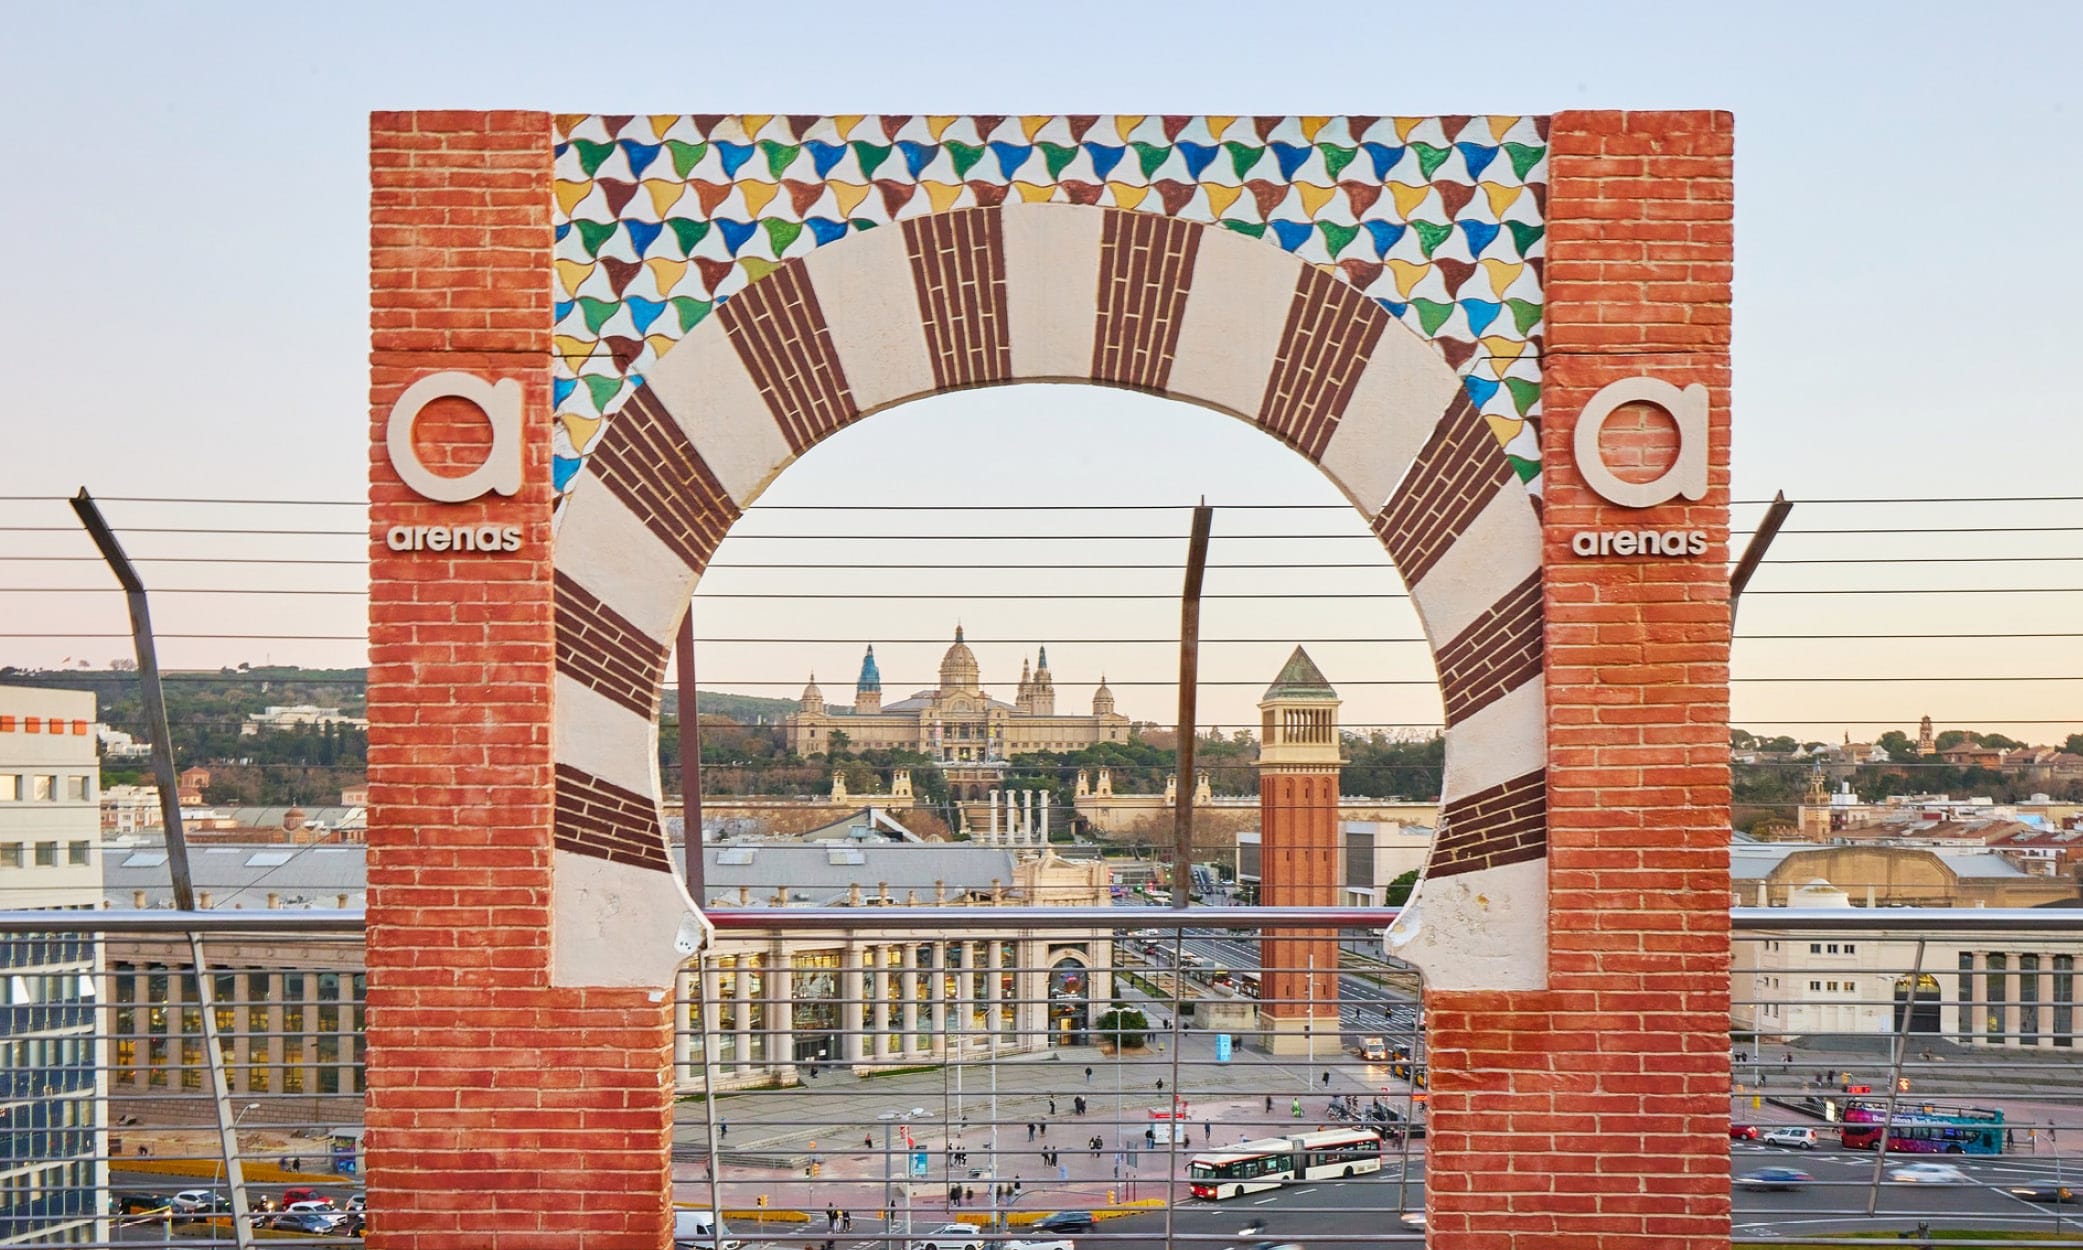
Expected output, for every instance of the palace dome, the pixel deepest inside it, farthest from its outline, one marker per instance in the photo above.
(958, 668)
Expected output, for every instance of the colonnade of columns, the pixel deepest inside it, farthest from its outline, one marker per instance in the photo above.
(898, 1001)
(2010, 998)
(1026, 815)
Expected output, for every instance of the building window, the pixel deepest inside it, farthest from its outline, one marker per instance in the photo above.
(46, 854)
(2064, 996)
(1815, 948)
(76, 788)
(2029, 999)
(10, 855)
(79, 854)
(1997, 993)
(1851, 948)
(43, 788)
(10, 787)
(1966, 1004)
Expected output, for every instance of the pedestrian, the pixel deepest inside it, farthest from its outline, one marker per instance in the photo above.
(868, 1141)
(1052, 1104)
(1269, 1104)
(1030, 1131)
(968, 1194)
(1149, 1139)
(1296, 1109)
(1207, 1133)
(1160, 1084)
(846, 1221)
(723, 1130)
(1327, 1078)
(831, 1218)
(1045, 1123)
(954, 1196)
(1088, 1076)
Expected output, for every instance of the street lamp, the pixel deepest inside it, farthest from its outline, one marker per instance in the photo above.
(889, 1205)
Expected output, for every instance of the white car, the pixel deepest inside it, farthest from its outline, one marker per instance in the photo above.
(950, 1237)
(1061, 1243)
(1928, 1174)
(1795, 1137)
(197, 1199)
(696, 1229)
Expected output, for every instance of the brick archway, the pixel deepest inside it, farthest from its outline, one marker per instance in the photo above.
(989, 296)
(498, 1048)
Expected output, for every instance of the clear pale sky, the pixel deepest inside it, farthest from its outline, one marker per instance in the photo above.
(186, 246)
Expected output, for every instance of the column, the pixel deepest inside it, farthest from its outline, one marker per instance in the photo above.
(946, 1042)
(993, 839)
(881, 983)
(850, 1015)
(781, 1013)
(1634, 795)
(1043, 840)
(741, 1021)
(908, 992)
(686, 990)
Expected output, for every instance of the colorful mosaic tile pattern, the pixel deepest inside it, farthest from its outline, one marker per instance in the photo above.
(662, 218)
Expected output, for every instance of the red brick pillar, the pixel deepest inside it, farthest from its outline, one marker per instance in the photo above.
(1593, 1113)
(501, 1113)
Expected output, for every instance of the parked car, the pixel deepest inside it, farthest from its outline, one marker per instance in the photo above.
(1794, 1137)
(136, 1204)
(950, 1237)
(1928, 1174)
(190, 1200)
(2046, 1191)
(1788, 1179)
(304, 1193)
(316, 1222)
(1069, 1223)
(1743, 1132)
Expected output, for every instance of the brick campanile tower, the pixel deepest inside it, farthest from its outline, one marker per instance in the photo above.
(1298, 765)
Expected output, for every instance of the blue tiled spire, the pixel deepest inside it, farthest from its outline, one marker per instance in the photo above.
(871, 677)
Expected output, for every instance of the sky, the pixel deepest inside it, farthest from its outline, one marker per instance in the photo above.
(187, 243)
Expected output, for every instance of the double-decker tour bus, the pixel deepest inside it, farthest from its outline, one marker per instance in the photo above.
(1924, 1128)
(1271, 1162)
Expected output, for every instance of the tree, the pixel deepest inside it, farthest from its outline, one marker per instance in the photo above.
(1398, 891)
(1897, 744)
(2074, 745)
(838, 745)
(1123, 1025)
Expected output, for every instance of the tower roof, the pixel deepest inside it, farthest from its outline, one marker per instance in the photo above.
(871, 677)
(1299, 678)
(1042, 662)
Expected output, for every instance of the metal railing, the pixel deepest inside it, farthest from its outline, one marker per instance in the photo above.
(886, 1071)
